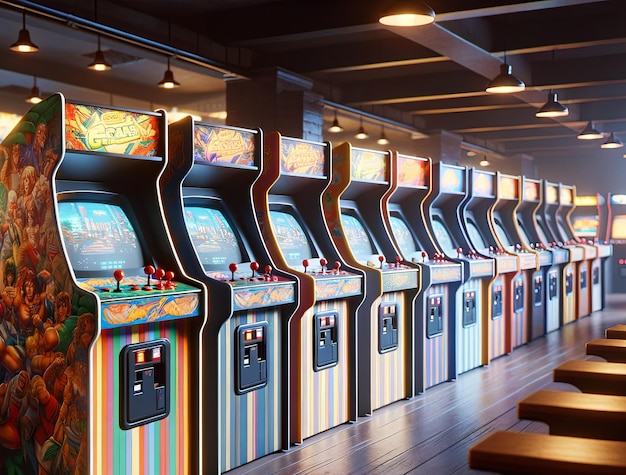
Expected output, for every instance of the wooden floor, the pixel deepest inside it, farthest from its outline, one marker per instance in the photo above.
(431, 433)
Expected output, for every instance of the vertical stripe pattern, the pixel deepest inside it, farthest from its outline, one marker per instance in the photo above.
(469, 339)
(436, 350)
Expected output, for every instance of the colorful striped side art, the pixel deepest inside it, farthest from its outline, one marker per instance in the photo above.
(437, 349)
(160, 447)
(250, 423)
(469, 337)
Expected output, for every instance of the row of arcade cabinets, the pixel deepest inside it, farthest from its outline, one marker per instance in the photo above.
(240, 292)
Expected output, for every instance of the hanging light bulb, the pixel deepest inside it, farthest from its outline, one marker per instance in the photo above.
(407, 13)
(590, 133)
(382, 140)
(335, 127)
(612, 142)
(552, 108)
(505, 82)
(99, 63)
(361, 134)
(484, 162)
(168, 81)
(23, 43)
(35, 96)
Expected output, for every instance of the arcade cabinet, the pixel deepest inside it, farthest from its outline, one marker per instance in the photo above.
(322, 332)
(589, 267)
(442, 211)
(353, 207)
(244, 368)
(616, 236)
(529, 292)
(99, 375)
(478, 225)
(551, 259)
(356, 208)
(546, 226)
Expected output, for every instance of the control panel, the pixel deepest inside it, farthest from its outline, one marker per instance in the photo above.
(325, 344)
(387, 327)
(251, 358)
(145, 395)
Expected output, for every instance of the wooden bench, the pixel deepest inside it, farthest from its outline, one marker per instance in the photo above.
(525, 453)
(610, 349)
(616, 331)
(597, 416)
(593, 376)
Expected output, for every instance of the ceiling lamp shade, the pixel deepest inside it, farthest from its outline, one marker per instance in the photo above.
(612, 142)
(99, 63)
(484, 162)
(35, 96)
(23, 43)
(382, 140)
(590, 133)
(168, 81)
(407, 13)
(552, 108)
(505, 82)
(361, 134)
(336, 126)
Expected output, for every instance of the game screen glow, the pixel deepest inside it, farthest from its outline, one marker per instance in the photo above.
(212, 237)
(474, 235)
(403, 236)
(585, 226)
(618, 230)
(356, 235)
(99, 236)
(291, 237)
(442, 235)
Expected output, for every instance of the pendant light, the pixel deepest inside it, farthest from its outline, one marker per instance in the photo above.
(484, 162)
(552, 108)
(407, 13)
(23, 43)
(612, 142)
(590, 133)
(336, 126)
(35, 96)
(168, 81)
(505, 82)
(382, 140)
(361, 134)
(99, 63)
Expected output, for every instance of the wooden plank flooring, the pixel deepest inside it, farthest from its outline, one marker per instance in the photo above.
(431, 433)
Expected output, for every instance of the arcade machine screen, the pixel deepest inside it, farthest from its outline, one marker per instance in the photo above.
(213, 237)
(502, 236)
(291, 236)
(618, 229)
(475, 236)
(99, 238)
(522, 233)
(443, 236)
(403, 235)
(360, 242)
(586, 226)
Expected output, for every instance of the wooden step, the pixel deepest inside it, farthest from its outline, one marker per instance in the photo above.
(597, 416)
(616, 331)
(593, 376)
(524, 453)
(610, 349)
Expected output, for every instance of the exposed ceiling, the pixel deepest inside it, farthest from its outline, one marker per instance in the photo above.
(429, 78)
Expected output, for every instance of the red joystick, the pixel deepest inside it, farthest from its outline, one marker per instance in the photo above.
(232, 267)
(118, 275)
(268, 270)
(305, 264)
(159, 274)
(337, 266)
(323, 263)
(459, 252)
(398, 261)
(381, 259)
(423, 256)
(254, 266)
(148, 270)
(169, 275)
